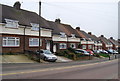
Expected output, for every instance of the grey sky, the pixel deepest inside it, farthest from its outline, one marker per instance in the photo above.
(96, 16)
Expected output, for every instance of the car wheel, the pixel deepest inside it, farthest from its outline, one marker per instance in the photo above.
(45, 59)
(54, 61)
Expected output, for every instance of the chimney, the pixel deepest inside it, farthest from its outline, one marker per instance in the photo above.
(89, 33)
(57, 20)
(102, 35)
(78, 28)
(17, 5)
(111, 37)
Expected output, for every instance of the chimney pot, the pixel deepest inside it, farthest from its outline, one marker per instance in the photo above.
(57, 20)
(78, 28)
(111, 37)
(89, 33)
(102, 35)
(17, 5)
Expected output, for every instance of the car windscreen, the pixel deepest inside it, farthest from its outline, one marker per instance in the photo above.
(47, 52)
(80, 51)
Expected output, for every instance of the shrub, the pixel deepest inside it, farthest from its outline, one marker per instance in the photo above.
(71, 50)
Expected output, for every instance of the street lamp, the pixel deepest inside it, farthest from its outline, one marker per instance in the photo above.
(39, 28)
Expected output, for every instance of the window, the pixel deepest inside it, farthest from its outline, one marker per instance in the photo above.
(73, 35)
(11, 41)
(35, 26)
(98, 41)
(72, 45)
(89, 46)
(83, 46)
(109, 43)
(63, 46)
(11, 23)
(89, 39)
(83, 39)
(62, 35)
(34, 42)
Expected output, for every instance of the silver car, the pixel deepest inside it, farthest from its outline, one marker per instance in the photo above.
(47, 55)
(82, 51)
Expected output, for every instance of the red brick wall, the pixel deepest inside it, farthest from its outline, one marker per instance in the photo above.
(20, 49)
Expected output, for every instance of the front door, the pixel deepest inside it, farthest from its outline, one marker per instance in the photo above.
(54, 48)
(48, 45)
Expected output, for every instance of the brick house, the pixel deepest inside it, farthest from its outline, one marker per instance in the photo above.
(106, 44)
(97, 41)
(114, 42)
(20, 30)
(64, 36)
(86, 41)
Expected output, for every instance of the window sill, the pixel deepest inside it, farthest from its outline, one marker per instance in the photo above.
(12, 27)
(34, 46)
(10, 46)
(63, 48)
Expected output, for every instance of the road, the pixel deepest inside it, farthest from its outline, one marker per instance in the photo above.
(93, 69)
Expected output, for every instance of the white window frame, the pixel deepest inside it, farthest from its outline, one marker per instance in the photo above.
(73, 36)
(83, 39)
(89, 46)
(8, 39)
(84, 46)
(11, 23)
(72, 45)
(63, 35)
(32, 40)
(35, 26)
(62, 45)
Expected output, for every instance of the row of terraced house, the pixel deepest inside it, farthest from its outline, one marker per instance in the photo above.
(19, 31)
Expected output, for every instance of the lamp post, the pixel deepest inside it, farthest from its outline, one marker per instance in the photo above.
(39, 28)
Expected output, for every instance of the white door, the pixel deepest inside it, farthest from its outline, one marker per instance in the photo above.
(48, 45)
(54, 48)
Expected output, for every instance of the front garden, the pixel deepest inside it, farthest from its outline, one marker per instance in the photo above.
(71, 54)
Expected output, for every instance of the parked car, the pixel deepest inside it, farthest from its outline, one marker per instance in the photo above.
(82, 51)
(104, 51)
(111, 51)
(115, 52)
(96, 51)
(47, 55)
(90, 52)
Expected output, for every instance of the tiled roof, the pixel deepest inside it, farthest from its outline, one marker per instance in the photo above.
(105, 40)
(23, 16)
(113, 41)
(80, 33)
(95, 38)
(59, 27)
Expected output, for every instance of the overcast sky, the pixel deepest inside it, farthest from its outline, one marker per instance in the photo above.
(97, 16)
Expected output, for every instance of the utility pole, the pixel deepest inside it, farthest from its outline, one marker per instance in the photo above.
(39, 28)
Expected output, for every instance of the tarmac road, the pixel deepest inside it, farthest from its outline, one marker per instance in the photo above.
(102, 69)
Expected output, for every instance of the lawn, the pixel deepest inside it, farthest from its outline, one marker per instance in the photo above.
(104, 55)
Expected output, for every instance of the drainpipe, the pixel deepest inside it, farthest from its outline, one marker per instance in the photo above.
(67, 41)
(24, 40)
